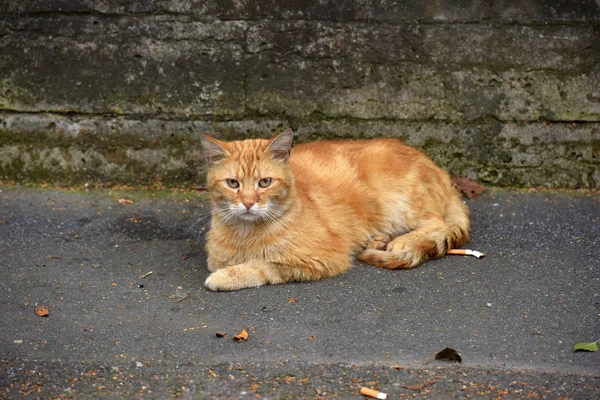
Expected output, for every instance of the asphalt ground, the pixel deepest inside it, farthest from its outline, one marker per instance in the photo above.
(115, 331)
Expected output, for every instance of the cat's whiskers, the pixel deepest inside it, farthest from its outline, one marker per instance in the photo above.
(224, 212)
(273, 219)
(244, 228)
(203, 216)
(226, 215)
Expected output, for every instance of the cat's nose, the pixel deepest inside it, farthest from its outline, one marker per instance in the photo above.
(248, 205)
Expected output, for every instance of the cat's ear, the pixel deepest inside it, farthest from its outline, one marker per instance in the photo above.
(281, 145)
(213, 150)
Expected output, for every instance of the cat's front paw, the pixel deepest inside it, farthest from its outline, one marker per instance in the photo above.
(240, 277)
(219, 281)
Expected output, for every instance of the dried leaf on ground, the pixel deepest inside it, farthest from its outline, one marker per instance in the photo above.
(293, 300)
(125, 201)
(221, 334)
(241, 337)
(448, 354)
(422, 385)
(42, 311)
(467, 187)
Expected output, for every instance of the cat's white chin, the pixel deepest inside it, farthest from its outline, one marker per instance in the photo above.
(249, 217)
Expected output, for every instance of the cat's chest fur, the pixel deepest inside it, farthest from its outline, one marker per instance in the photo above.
(247, 242)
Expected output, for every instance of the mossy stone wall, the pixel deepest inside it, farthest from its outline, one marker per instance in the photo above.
(116, 92)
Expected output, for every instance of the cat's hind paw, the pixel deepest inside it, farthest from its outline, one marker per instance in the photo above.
(378, 242)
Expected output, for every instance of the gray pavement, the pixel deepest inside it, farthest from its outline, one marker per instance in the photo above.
(514, 316)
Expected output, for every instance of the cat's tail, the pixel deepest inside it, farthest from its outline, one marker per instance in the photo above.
(432, 239)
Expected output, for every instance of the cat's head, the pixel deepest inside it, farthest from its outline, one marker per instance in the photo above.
(249, 180)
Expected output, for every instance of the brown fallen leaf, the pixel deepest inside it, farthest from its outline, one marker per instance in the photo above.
(221, 334)
(125, 201)
(422, 385)
(448, 354)
(293, 300)
(42, 311)
(241, 337)
(469, 188)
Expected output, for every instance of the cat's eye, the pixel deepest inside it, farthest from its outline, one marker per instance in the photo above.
(264, 182)
(232, 183)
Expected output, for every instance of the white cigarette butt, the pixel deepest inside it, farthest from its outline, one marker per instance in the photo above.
(376, 394)
(466, 252)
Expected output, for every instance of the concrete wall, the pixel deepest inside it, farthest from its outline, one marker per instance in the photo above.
(116, 91)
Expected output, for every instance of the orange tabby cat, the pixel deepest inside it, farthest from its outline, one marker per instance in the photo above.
(282, 215)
